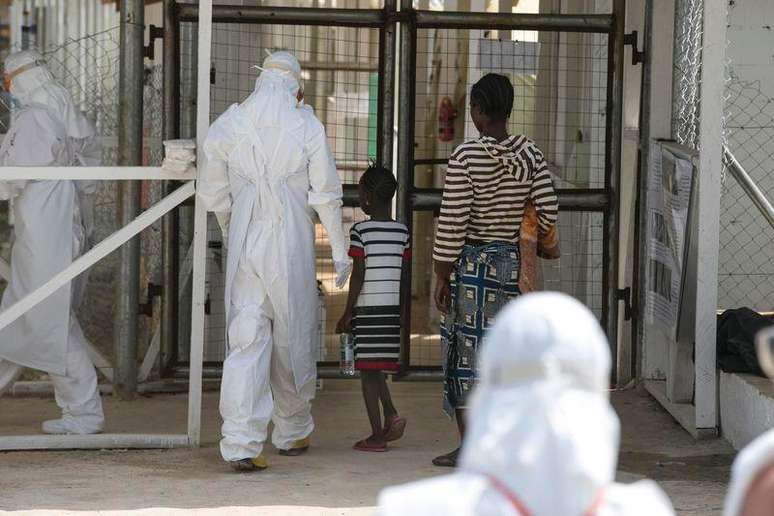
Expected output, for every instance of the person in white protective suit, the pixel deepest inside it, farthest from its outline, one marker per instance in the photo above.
(751, 492)
(542, 436)
(268, 164)
(53, 221)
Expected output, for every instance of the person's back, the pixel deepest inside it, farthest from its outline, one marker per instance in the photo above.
(542, 437)
(268, 164)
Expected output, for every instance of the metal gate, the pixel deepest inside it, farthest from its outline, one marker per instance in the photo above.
(364, 66)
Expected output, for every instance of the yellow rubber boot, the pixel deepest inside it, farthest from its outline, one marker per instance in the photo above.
(299, 447)
(258, 463)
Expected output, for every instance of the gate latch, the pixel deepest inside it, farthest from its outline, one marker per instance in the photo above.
(638, 56)
(154, 291)
(625, 295)
(155, 33)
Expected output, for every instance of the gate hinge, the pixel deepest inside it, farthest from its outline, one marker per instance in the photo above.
(625, 295)
(155, 33)
(638, 56)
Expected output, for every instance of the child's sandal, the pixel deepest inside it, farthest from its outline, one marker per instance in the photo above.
(365, 446)
(394, 428)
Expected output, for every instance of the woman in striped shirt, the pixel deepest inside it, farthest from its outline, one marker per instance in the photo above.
(476, 255)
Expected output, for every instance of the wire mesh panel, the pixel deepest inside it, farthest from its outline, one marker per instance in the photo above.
(687, 72)
(560, 83)
(88, 67)
(746, 262)
(578, 273)
(340, 81)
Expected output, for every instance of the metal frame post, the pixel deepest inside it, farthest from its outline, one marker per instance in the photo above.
(129, 153)
(655, 122)
(386, 114)
(170, 228)
(615, 61)
(404, 211)
(640, 215)
(200, 227)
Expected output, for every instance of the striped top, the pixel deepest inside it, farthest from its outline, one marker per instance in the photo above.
(487, 186)
(384, 245)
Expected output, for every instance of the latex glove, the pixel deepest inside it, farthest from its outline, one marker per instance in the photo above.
(343, 270)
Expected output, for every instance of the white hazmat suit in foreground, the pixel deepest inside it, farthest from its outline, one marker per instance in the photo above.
(542, 438)
(268, 163)
(52, 224)
(753, 461)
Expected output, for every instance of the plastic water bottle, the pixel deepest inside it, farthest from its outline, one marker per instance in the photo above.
(347, 354)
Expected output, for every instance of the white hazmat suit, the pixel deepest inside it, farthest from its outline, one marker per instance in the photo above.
(752, 461)
(542, 437)
(53, 223)
(268, 163)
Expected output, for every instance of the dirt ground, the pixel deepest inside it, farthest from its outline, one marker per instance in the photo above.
(331, 480)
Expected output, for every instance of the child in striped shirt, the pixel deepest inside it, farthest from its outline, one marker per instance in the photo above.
(379, 246)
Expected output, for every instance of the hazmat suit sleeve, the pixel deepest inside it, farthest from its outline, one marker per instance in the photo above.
(325, 198)
(29, 143)
(88, 153)
(213, 187)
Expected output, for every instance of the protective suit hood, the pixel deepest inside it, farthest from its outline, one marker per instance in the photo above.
(542, 437)
(546, 360)
(33, 84)
(751, 462)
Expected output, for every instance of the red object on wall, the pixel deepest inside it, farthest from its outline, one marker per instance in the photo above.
(446, 116)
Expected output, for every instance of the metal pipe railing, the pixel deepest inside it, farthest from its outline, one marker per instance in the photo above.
(405, 158)
(599, 23)
(130, 109)
(748, 185)
(286, 15)
(170, 228)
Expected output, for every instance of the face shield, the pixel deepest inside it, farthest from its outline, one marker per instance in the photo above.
(18, 63)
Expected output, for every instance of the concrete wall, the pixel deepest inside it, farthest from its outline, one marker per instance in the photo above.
(746, 407)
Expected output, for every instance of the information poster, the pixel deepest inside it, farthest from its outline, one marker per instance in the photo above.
(670, 183)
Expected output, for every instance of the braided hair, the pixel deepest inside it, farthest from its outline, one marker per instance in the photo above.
(493, 94)
(380, 182)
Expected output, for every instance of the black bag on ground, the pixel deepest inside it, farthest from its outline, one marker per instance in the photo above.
(736, 340)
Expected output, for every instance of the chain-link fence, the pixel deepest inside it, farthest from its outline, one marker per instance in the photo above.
(88, 67)
(686, 79)
(746, 262)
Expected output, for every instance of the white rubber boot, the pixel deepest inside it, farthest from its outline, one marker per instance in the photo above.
(69, 425)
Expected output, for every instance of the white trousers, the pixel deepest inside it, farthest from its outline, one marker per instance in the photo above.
(77, 393)
(258, 384)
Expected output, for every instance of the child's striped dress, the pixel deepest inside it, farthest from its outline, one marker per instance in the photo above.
(376, 323)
